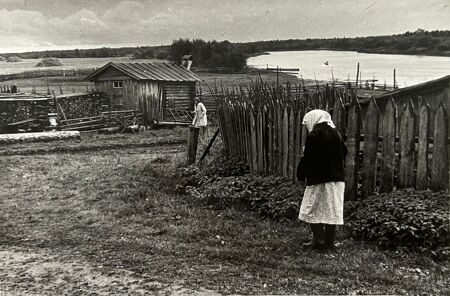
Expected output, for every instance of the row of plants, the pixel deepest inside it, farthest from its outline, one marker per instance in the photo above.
(228, 183)
(402, 219)
(417, 220)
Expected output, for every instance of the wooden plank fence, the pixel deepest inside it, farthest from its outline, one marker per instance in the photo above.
(388, 148)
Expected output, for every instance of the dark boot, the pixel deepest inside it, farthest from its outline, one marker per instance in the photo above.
(317, 241)
(330, 232)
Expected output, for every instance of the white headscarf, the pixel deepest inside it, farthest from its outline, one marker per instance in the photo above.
(314, 117)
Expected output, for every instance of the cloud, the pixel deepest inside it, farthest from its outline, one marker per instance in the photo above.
(84, 27)
(153, 22)
(19, 28)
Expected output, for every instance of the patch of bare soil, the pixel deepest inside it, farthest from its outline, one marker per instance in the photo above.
(44, 272)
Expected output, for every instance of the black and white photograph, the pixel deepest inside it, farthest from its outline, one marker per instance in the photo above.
(214, 147)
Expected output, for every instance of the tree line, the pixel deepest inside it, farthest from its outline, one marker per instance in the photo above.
(142, 52)
(232, 56)
(418, 42)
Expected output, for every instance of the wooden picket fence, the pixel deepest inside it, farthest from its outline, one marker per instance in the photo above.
(264, 126)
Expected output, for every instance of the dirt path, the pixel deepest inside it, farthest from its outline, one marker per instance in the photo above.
(52, 222)
(44, 272)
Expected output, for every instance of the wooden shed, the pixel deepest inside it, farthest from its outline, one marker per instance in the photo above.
(157, 89)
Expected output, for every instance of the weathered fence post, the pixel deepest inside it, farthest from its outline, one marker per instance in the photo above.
(406, 155)
(225, 130)
(422, 146)
(440, 166)
(275, 147)
(339, 115)
(280, 139)
(254, 162)
(247, 133)
(291, 144)
(389, 122)
(285, 141)
(241, 130)
(297, 141)
(259, 140)
(274, 160)
(232, 125)
(352, 161)
(370, 149)
(270, 158)
(192, 144)
(265, 141)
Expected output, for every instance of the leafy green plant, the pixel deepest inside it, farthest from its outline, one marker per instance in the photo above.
(226, 182)
(226, 166)
(418, 220)
(271, 196)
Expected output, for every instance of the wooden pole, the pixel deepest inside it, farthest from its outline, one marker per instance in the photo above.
(357, 75)
(278, 79)
(210, 144)
(394, 79)
(192, 144)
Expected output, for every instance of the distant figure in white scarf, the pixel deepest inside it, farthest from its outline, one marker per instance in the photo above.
(200, 119)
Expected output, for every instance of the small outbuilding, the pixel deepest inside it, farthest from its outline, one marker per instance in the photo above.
(157, 89)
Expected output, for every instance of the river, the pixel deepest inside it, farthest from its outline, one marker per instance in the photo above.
(342, 65)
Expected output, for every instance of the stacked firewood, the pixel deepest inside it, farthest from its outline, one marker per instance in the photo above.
(83, 105)
(14, 111)
(20, 115)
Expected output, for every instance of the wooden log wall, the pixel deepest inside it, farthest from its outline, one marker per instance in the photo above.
(269, 134)
(146, 96)
(178, 96)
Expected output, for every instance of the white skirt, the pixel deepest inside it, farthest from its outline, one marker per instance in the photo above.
(323, 203)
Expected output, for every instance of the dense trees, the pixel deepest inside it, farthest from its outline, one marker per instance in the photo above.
(143, 52)
(211, 54)
(418, 42)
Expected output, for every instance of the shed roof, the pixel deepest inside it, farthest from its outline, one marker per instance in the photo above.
(435, 84)
(155, 71)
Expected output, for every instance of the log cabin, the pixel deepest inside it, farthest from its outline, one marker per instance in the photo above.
(156, 89)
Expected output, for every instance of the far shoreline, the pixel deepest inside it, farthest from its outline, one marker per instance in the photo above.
(390, 52)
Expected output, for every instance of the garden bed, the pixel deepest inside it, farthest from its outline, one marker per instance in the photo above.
(401, 220)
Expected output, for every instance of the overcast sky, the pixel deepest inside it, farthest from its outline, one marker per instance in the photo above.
(44, 24)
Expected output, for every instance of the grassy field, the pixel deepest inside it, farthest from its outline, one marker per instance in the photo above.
(78, 84)
(245, 79)
(102, 217)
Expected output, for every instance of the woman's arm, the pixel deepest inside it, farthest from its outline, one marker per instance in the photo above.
(305, 164)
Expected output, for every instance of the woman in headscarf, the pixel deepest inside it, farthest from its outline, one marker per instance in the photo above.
(322, 165)
(200, 119)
